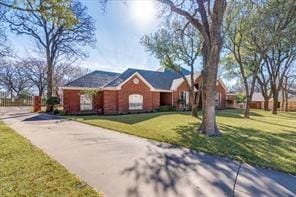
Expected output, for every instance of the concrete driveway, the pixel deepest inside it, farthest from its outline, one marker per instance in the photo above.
(122, 165)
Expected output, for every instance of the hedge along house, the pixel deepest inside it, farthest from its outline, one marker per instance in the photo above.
(134, 90)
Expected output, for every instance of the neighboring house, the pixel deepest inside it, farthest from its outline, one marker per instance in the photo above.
(231, 101)
(134, 90)
(258, 102)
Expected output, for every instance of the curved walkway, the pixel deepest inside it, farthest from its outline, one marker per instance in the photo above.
(123, 165)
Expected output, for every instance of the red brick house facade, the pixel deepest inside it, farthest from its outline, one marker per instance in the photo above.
(132, 91)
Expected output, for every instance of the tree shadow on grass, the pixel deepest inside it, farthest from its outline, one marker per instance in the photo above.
(129, 118)
(236, 113)
(273, 150)
(272, 123)
(287, 115)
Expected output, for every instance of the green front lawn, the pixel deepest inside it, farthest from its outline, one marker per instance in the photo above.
(265, 140)
(27, 171)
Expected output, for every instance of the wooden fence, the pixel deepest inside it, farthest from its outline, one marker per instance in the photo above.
(6, 101)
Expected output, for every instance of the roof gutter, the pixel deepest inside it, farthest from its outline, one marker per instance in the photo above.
(79, 88)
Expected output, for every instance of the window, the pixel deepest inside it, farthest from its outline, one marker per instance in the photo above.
(135, 102)
(218, 99)
(185, 97)
(86, 102)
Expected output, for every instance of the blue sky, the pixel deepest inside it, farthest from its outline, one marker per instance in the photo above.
(118, 35)
(118, 32)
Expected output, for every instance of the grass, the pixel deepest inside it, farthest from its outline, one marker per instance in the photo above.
(26, 171)
(265, 140)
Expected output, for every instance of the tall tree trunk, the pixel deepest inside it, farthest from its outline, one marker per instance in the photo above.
(211, 59)
(283, 100)
(49, 108)
(287, 101)
(248, 106)
(40, 90)
(285, 95)
(194, 105)
(249, 93)
(266, 103)
(197, 97)
(275, 102)
(248, 98)
(192, 93)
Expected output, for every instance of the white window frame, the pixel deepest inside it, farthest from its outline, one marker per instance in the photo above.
(218, 99)
(86, 102)
(135, 102)
(185, 95)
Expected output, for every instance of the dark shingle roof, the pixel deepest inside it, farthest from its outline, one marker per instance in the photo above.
(158, 79)
(95, 79)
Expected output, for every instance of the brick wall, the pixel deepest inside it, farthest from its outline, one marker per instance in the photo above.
(150, 99)
(292, 105)
(155, 100)
(177, 93)
(184, 87)
(98, 102)
(71, 101)
(36, 103)
(223, 95)
(110, 101)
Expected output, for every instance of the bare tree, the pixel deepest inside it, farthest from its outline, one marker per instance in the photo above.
(66, 72)
(288, 87)
(278, 24)
(35, 71)
(174, 45)
(240, 39)
(279, 62)
(4, 48)
(13, 78)
(263, 79)
(18, 5)
(207, 18)
(59, 30)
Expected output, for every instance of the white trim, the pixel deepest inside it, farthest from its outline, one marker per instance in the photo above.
(106, 88)
(79, 88)
(86, 102)
(111, 88)
(160, 90)
(138, 105)
(222, 84)
(179, 81)
(125, 81)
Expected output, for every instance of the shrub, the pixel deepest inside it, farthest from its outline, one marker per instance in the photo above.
(181, 101)
(167, 108)
(52, 102)
(63, 113)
